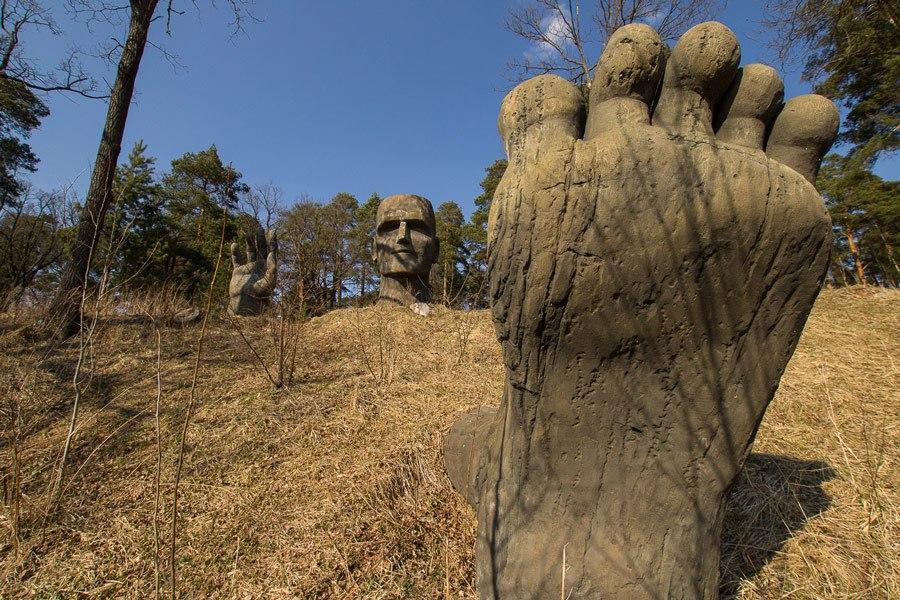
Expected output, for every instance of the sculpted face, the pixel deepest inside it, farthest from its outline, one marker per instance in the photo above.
(405, 242)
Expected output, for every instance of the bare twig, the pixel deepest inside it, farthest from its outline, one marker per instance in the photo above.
(17, 16)
(192, 395)
(156, 483)
(559, 42)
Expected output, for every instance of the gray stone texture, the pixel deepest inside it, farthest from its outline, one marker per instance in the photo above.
(255, 274)
(404, 249)
(649, 280)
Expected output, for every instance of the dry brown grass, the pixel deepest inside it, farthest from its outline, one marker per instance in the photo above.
(333, 488)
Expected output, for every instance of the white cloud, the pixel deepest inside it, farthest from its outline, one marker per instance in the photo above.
(555, 30)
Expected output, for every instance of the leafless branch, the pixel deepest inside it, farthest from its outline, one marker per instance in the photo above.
(264, 201)
(670, 18)
(560, 42)
(18, 16)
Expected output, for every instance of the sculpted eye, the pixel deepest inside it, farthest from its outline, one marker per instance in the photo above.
(419, 226)
(388, 227)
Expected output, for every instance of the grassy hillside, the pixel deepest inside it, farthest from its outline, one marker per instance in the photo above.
(333, 488)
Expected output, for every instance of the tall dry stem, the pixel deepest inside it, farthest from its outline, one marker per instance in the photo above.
(192, 395)
(382, 361)
(464, 324)
(12, 485)
(158, 474)
(85, 350)
(285, 318)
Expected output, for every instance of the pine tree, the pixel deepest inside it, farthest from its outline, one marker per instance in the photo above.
(20, 113)
(865, 211)
(851, 50)
(446, 276)
(338, 220)
(361, 238)
(475, 236)
(140, 210)
(200, 191)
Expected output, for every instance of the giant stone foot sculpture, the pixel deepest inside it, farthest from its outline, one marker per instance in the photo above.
(255, 274)
(649, 279)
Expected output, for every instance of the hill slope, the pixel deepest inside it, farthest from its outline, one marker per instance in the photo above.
(333, 488)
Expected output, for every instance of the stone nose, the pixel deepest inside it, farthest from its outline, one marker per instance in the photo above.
(403, 232)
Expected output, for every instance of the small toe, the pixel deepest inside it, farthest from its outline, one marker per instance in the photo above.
(462, 449)
(749, 106)
(803, 132)
(699, 71)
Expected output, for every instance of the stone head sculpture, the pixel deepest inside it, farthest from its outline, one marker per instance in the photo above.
(255, 273)
(653, 254)
(405, 247)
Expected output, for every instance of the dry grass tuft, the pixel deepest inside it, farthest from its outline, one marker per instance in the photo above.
(333, 487)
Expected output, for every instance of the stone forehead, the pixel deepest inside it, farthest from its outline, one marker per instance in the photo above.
(405, 206)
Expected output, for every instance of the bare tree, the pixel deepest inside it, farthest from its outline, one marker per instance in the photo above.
(796, 24)
(63, 315)
(30, 241)
(16, 18)
(563, 36)
(263, 201)
(554, 28)
(670, 18)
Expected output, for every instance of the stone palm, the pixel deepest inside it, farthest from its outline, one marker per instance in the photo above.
(255, 273)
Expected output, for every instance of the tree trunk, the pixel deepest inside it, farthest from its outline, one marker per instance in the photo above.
(890, 252)
(854, 252)
(446, 300)
(64, 310)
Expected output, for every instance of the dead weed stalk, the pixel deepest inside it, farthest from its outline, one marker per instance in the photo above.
(380, 361)
(192, 397)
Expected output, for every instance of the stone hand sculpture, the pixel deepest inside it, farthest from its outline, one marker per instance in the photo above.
(255, 273)
(405, 247)
(653, 258)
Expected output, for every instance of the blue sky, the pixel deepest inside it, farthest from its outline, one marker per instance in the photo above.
(399, 96)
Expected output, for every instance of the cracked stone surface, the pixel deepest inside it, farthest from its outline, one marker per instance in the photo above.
(255, 274)
(653, 257)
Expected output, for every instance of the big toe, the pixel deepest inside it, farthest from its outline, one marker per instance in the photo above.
(699, 71)
(539, 111)
(803, 132)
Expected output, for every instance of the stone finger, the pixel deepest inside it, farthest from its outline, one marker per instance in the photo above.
(539, 112)
(238, 258)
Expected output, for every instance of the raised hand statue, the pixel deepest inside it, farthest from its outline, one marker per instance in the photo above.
(653, 257)
(255, 273)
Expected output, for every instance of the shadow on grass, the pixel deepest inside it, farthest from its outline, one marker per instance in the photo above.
(771, 499)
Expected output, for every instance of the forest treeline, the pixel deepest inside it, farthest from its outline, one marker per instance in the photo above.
(164, 227)
(163, 231)
(142, 226)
